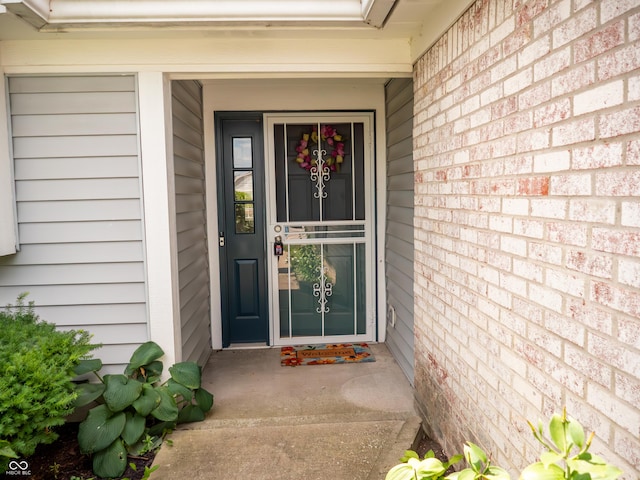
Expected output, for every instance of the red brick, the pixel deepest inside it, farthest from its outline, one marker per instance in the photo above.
(620, 122)
(634, 27)
(616, 241)
(535, 96)
(578, 131)
(587, 365)
(575, 27)
(518, 39)
(552, 113)
(567, 233)
(611, 9)
(574, 79)
(530, 10)
(574, 185)
(600, 42)
(552, 64)
(625, 301)
(600, 155)
(591, 264)
(619, 62)
(633, 152)
(533, 186)
(504, 107)
(619, 183)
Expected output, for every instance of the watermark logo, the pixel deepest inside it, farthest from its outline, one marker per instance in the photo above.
(18, 468)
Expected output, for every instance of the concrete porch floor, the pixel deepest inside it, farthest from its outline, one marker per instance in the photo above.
(338, 422)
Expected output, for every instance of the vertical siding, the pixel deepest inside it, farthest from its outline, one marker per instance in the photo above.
(188, 155)
(78, 199)
(399, 229)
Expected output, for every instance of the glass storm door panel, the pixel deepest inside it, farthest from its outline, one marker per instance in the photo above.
(320, 213)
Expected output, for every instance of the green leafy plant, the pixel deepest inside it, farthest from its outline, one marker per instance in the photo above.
(135, 409)
(306, 262)
(36, 371)
(413, 468)
(567, 458)
(480, 467)
(147, 471)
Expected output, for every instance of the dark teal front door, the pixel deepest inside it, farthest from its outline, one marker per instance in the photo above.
(241, 239)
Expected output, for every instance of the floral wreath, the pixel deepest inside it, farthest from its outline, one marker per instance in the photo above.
(329, 135)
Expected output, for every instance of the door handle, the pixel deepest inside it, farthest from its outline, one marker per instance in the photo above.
(221, 239)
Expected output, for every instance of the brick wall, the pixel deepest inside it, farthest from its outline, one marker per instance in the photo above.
(527, 216)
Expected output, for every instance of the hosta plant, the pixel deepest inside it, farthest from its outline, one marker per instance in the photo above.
(567, 457)
(135, 406)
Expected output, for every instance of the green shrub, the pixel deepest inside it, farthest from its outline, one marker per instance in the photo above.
(37, 365)
(135, 409)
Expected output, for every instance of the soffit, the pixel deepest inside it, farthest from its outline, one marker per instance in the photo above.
(418, 22)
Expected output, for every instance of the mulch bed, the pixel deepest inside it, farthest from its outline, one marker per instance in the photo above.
(62, 460)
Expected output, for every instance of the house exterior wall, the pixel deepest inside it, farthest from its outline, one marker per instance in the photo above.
(77, 172)
(527, 226)
(399, 222)
(191, 220)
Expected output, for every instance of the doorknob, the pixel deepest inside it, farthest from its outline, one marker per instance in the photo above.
(221, 239)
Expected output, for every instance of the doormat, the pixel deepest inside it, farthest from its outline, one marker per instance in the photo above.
(326, 354)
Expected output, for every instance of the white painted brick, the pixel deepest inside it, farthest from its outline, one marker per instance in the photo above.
(528, 228)
(573, 185)
(629, 272)
(518, 82)
(546, 297)
(513, 284)
(534, 51)
(517, 246)
(552, 162)
(611, 9)
(598, 98)
(515, 206)
(565, 328)
(618, 412)
(549, 208)
(631, 214)
(517, 364)
(501, 223)
(502, 31)
(563, 282)
(588, 366)
(593, 210)
(633, 89)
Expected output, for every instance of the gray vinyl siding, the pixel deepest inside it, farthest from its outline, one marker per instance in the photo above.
(399, 222)
(193, 277)
(79, 213)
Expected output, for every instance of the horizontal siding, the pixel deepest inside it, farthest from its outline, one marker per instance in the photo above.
(193, 275)
(76, 167)
(399, 244)
(75, 147)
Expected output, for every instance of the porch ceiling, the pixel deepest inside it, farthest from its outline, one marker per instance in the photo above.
(358, 19)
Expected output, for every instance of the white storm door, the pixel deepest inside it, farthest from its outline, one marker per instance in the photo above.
(320, 207)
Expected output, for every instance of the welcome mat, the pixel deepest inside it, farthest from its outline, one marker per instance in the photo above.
(326, 354)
